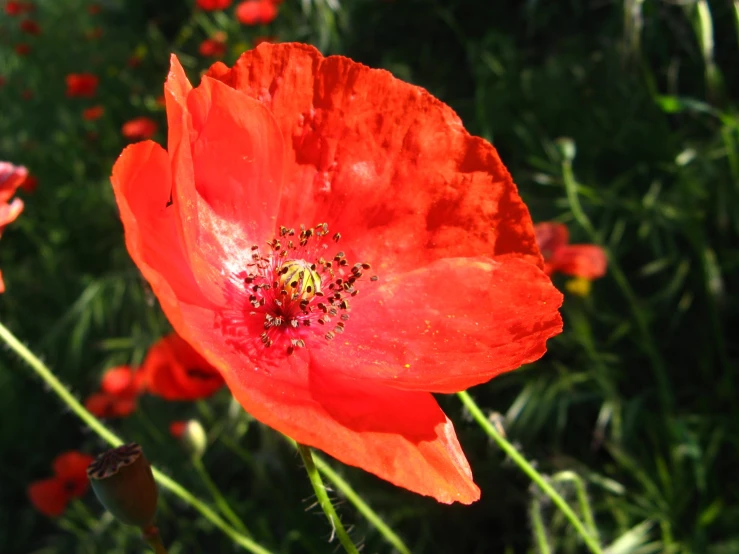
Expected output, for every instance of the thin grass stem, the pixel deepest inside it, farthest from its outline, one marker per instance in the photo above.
(590, 541)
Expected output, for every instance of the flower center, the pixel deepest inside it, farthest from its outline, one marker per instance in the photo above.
(296, 288)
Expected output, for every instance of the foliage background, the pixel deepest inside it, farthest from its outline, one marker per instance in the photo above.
(618, 118)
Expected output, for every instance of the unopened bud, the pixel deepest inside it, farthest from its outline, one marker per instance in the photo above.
(192, 436)
(124, 484)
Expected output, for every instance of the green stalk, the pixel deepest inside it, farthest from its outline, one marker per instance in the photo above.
(529, 470)
(323, 500)
(111, 438)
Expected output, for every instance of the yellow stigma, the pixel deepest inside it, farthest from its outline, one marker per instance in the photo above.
(299, 279)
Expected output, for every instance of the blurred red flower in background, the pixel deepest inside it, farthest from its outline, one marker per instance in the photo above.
(579, 260)
(93, 113)
(94, 9)
(31, 27)
(177, 428)
(173, 370)
(11, 178)
(210, 5)
(310, 343)
(213, 47)
(51, 496)
(13, 7)
(119, 390)
(22, 49)
(30, 184)
(140, 128)
(81, 85)
(256, 12)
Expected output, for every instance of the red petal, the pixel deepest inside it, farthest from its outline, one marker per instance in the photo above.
(49, 496)
(446, 327)
(175, 371)
(581, 260)
(228, 181)
(117, 380)
(142, 184)
(72, 465)
(365, 142)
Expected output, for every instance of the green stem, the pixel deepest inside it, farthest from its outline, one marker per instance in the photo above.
(537, 523)
(528, 469)
(111, 438)
(582, 498)
(648, 342)
(324, 501)
(219, 499)
(361, 506)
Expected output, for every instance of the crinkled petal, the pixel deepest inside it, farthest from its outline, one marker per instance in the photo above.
(363, 142)
(448, 326)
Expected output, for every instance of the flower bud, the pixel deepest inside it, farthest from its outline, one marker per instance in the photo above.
(124, 484)
(192, 436)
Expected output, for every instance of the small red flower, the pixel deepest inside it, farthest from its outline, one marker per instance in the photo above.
(140, 128)
(13, 8)
(435, 284)
(31, 27)
(177, 428)
(256, 12)
(22, 49)
(211, 5)
(173, 370)
(51, 496)
(119, 390)
(93, 113)
(579, 260)
(81, 85)
(94, 9)
(212, 48)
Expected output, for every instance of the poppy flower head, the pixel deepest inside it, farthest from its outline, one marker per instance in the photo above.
(51, 496)
(11, 178)
(587, 261)
(256, 12)
(173, 370)
(291, 181)
(93, 113)
(81, 85)
(211, 5)
(139, 128)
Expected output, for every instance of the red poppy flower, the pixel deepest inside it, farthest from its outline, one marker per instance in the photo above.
(580, 260)
(31, 27)
(51, 496)
(289, 138)
(13, 8)
(22, 49)
(11, 178)
(81, 85)
(30, 184)
(119, 390)
(173, 370)
(211, 5)
(93, 113)
(140, 128)
(255, 12)
(212, 47)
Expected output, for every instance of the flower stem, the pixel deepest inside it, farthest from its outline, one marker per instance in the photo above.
(324, 501)
(537, 524)
(107, 435)
(529, 470)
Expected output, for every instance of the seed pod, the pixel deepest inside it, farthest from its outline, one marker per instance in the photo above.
(124, 484)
